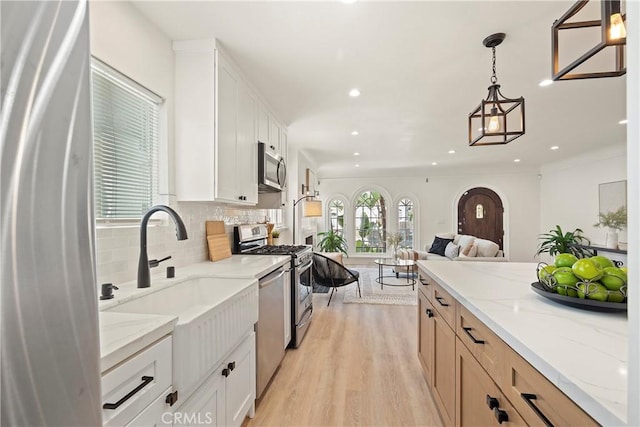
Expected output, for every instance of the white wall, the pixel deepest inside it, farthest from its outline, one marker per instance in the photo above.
(569, 191)
(437, 204)
(633, 176)
(128, 42)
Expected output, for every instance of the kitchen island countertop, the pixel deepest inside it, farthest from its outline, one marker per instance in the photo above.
(583, 353)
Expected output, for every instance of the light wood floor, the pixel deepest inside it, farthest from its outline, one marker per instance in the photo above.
(358, 365)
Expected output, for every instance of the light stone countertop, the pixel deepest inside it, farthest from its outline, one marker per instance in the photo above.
(124, 334)
(583, 353)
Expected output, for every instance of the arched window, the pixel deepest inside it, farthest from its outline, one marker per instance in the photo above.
(336, 216)
(371, 222)
(405, 222)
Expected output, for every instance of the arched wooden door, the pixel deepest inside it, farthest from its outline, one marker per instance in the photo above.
(480, 214)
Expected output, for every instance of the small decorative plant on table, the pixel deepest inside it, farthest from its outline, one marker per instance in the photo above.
(394, 240)
(558, 242)
(614, 221)
(275, 235)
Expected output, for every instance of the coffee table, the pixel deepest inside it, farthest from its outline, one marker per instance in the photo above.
(396, 263)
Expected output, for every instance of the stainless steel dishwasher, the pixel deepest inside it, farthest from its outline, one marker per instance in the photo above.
(270, 327)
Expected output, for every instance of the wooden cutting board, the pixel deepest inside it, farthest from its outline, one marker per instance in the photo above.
(218, 247)
(214, 227)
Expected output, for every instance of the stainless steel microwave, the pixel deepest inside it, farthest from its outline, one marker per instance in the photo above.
(272, 170)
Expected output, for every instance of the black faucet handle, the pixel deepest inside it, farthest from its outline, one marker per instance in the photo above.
(156, 262)
(107, 290)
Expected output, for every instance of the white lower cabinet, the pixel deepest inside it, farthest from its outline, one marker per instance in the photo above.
(227, 395)
(159, 413)
(137, 384)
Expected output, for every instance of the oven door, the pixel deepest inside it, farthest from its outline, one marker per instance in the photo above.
(304, 286)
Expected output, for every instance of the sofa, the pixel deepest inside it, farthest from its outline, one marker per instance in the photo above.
(456, 247)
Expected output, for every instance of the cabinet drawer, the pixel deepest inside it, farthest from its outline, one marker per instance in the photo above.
(480, 401)
(445, 304)
(539, 401)
(427, 285)
(134, 384)
(159, 413)
(487, 348)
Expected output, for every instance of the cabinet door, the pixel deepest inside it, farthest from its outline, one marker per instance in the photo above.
(274, 135)
(205, 406)
(479, 400)
(425, 336)
(158, 413)
(444, 368)
(240, 390)
(227, 108)
(247, 147)
(263, 124)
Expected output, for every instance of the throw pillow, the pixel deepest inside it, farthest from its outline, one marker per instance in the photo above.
(439, 245)
(487, 248)
(464, 240)
(451, 251)
(469, 251)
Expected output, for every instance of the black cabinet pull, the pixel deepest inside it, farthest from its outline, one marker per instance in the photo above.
(440, 299)
(225, 372)
(501, 415)
(429, 312)
(424, 283)
(231, 366)
(272, 147)
(475, 341)
(145, 380)
(171, 398)
(492, 402)
(529, 398)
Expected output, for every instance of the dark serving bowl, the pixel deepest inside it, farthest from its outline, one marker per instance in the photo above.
(585, 304)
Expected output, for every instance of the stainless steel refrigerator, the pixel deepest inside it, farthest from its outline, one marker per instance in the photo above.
(50, 366)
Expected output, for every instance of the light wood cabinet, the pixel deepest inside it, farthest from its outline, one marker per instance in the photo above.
(215, 127)
(481, 403)
(486, 373)
(539, 401)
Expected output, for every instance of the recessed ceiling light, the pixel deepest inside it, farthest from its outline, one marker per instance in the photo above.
(357, 165)
(516, 160)
(546, 82)
(356, 154)
(623, 122)
(355, 133)
(452, 151)
(434, 164)
(354, 93)
(555, 147)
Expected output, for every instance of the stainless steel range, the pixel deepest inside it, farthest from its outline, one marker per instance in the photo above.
(252, 240)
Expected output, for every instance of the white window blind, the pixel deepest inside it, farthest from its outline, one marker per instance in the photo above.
(126, 138)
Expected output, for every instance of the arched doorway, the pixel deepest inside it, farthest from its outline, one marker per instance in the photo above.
(480, 213)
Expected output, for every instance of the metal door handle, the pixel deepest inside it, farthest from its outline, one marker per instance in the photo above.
(492, 402)
(231, 366)
(501, 415)
(424, 283)
(529, 398)
(475, 341)
(440, 299)
(271, 280)
(429, 312)
(145, 380)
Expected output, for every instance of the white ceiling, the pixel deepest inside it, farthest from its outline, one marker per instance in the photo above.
(421, 68)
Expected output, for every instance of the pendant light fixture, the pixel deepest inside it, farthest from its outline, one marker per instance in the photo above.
(498, 119)
(613, 35)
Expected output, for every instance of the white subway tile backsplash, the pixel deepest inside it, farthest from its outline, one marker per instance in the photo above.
(118, 247)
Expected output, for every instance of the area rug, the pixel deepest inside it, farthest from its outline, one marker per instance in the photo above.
(372, 294)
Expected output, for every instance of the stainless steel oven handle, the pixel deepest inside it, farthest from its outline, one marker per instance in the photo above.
(306, 266)
(308, 318)
(264, 283)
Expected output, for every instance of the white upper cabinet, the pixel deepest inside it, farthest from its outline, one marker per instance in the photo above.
(216, 127)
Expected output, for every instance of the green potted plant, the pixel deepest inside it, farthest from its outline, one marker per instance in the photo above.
(331, 241)
(614, 221)
(275, 235)
(558, 242)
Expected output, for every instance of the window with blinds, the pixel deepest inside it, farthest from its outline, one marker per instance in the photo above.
(125, 138)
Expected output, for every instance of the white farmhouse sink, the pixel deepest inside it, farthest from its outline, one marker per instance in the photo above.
(213, 315)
